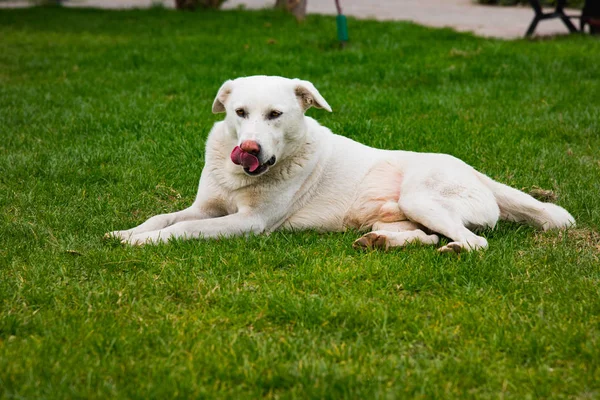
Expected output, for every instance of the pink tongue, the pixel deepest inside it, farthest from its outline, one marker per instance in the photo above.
(246, 160)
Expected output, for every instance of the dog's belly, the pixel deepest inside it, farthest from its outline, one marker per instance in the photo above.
(377, 197)
(321, 215)
(324, 207)
(342, 204)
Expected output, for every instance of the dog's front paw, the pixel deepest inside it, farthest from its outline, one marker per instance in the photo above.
(144, 239)
(136, 241)
(122, 235)
(128, 237)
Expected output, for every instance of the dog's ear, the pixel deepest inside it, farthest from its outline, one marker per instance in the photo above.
(309, 96)
(222, 95)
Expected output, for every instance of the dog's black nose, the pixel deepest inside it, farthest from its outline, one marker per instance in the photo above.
(250, 146)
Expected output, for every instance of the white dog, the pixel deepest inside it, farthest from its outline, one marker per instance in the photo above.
(270, 167)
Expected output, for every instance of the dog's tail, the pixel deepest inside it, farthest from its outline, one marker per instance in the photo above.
(520, 207)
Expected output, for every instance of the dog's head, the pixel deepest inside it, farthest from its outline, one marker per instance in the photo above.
(266, 116)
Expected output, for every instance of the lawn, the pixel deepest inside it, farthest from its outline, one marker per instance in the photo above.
(103, 119)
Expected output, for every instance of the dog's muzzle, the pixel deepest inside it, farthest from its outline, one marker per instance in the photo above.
(250, 162)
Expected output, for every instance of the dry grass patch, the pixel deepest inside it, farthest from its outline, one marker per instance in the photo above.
(582, 238)
(543, 194)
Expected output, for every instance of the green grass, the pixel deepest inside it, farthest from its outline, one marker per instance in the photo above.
(103, 118)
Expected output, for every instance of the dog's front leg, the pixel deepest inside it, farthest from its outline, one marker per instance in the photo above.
(229, 225)
(163, 220)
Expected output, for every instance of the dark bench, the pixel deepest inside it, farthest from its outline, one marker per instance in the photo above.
(590, 15)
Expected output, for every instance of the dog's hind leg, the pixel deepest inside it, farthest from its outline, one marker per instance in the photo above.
(394, 234)
(434, 216)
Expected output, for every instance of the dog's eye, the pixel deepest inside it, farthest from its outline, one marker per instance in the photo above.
(274, 114)
(241, 112)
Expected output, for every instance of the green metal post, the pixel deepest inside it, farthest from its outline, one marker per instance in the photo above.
(342, 28)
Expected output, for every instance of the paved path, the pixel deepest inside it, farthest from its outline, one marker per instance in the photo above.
(462, 15)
